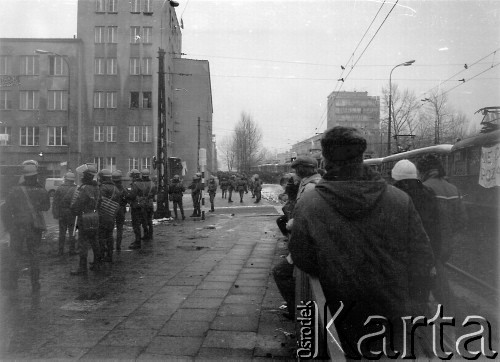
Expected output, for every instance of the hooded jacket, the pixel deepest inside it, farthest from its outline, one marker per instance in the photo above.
(365, 241)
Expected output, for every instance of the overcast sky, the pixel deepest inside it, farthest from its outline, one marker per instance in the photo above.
(278, 60)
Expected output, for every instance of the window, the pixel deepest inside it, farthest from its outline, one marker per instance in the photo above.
(133, 133)
(98, 134)
(5, 102)
(111, 99)
(99, 34)
(146, 66)
(147, 35)
(56, 65)
(111, 163)
(146, 163)
(29, 136)
(100, 6)
(110, 133)
(112, 66)
(147, 99)
(5, 61)
(147, 135)
(135, 66)
(134, 99)
(147, 6)
(56, 136)
(112, 6)
(57, 100)
(112, 31)
(135, 34)
(99, 99)
(28, 100)
(29, 65)
(5, 136)
(133, 163)
(99, 161)
(135, 6)
(99, 66)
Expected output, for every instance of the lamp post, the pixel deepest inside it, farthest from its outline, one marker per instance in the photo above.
(405, 64)
(65, 58)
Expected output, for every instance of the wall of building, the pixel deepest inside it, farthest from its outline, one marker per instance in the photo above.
(13, 118)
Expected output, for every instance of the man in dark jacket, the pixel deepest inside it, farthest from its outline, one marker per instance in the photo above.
(224, 184)
(176, 192)
(61, 211)
(452, 220)
(122, 210)
(257, 189)
(212, 190)
(364, 240)
(24, 206)
(107, 216)
(404, 173)
(86, 200)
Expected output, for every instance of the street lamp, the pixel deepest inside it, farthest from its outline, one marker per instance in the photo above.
(65, 58)
(405, 64)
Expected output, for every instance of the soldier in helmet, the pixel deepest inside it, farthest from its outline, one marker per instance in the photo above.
(212, 190)
(107, 215)
(143, 192)
(85, 202)
(24, 205)
(116, 176)
(224, 184)
(257, 189)
(135, 210)
(196, 188)
(61, 211)
(176, 191)
(231, 187)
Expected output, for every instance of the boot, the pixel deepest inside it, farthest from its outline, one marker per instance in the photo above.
(135, 245)
(82, 267)
(35, 281)
(96, 265)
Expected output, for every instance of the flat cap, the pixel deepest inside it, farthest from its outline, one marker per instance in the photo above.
(304, 161)
(30, 170)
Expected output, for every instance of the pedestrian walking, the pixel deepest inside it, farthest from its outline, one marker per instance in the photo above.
(25, 223)
(224, 184)
(196, 188)
(109, 206)
(116, 176)
(231, 187)
(212, 190)
(61, 211)
(84, 205)
(241, 187)
(251, 186)
(364, 240)
(424, 199)
(257, 189)
(176, 192)
(452, 218)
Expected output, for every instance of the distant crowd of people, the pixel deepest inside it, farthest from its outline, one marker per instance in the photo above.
(377, 248)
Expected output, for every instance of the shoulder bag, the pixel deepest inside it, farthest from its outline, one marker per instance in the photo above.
(38, 219)
(90, 219)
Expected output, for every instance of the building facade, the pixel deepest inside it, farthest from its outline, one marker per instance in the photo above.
(111, 87)
(359, 110)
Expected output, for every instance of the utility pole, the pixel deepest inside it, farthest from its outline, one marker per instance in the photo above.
(199, 126)
(161, 162)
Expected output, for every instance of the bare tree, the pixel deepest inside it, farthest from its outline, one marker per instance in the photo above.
(226, 148)
(247, 143)
(436, 103)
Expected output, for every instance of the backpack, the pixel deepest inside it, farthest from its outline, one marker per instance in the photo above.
(145, 201)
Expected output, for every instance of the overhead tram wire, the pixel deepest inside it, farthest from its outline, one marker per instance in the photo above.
(363, 52)
(469, 79)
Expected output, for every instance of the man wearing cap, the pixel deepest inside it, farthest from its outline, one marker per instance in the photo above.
(196, 188)
(25, 203)
(364, 240)
(107, 218)
(116, 176)
(62, 212)
(85, 202)
(176, 192)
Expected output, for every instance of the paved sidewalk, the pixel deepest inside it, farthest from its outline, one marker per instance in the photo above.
(201, 290)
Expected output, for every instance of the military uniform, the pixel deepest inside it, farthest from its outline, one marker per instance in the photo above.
(196, 188)
(142, 194)
(122, 210)
(241, 187)
(176, 191)
(86, 201)
(24, 206)
(224, 184)
(107, 222)
(212, 190)
(231, 187)
(257, 189)
(62, 212)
